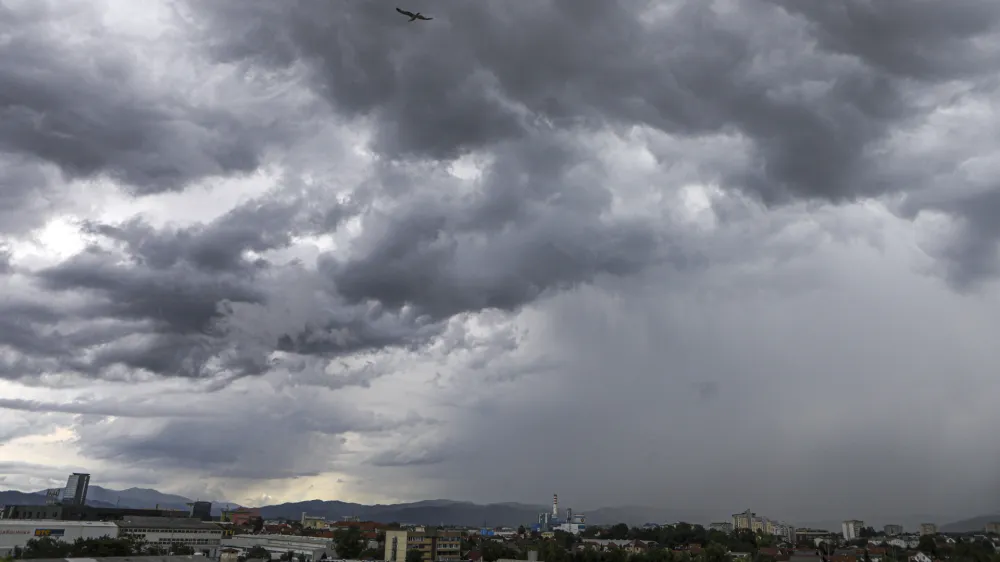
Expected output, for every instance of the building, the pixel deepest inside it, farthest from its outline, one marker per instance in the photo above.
(313, 548)
(75, 492)
(243, 516)
(743, 520)
(851, 529)
(993, 528)
(433, 544)
(369, 529)
(815, 536)
(722, 526)
(200, 510)
(892, 530)
(785, 532)
(202, 536)
(313, 522)
(83, 512)
(17, 533)
(928, 529)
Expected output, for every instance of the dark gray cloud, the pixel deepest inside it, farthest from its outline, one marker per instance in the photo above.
(815, 124)
(924, 41)
(260, 436)
(90, 109)
(655, 245)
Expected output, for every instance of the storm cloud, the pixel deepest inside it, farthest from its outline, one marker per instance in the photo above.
(748, 245)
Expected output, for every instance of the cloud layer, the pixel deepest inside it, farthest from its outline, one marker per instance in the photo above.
(748, 246)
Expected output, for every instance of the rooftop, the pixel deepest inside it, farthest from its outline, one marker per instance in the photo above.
(166, 523)
(53, 523)
(128, 559)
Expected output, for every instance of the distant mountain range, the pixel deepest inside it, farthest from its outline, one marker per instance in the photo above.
(446, 512)
(968, 525)
(135, 498)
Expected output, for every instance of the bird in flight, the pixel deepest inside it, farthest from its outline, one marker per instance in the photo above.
(414, 17)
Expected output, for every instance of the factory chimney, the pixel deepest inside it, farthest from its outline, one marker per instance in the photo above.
(555, 505)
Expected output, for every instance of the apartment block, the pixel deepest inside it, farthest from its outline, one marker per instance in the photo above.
(852, 528)
(434, 544)
(892, 530)
(928, 529)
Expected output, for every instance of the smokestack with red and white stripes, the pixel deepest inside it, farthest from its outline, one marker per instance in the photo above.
(555, 505)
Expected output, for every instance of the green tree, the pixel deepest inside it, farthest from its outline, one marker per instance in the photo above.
(521, 530)
(348, 543)
(492, 551)
(414, 556)
(927, 545)
(46, 547)
(106, 546)
(564, 539)
(302, 557)
(181, 550)
(258, 552)
(618, 532)
(715, 553)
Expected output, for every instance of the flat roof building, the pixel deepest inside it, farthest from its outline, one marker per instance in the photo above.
(202, 536)
(17, 533)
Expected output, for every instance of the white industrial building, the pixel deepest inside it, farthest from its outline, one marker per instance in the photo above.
(202, 536)
(314, 548)
(17, 532)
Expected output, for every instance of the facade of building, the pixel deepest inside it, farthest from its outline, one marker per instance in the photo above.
(993, 528)
(395, 546)
(892, 530)
(851, 529)
(434, 545)
(313, 548)
(243, 516)
(814, 536)
(743, 520)
(202, 536)
(17, 533)
(200, 510)
(75, 492)
(312, 522)
(928, 529)
(369, 529)
(83, 512)
(722, 526)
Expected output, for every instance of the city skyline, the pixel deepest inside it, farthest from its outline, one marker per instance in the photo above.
(704, 254)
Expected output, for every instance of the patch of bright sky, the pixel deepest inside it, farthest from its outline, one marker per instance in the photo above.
(55, 448)
(57, 240)
(696, 206)
(468, 167)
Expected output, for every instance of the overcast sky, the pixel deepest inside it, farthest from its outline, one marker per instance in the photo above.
(706, 254)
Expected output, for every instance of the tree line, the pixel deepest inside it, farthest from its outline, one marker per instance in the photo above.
(107, 546)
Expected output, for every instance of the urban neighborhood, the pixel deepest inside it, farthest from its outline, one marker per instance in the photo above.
(65, 526)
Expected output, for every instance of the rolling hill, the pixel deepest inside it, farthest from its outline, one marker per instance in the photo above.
(136, 498)
(448, 512)
(970, 525)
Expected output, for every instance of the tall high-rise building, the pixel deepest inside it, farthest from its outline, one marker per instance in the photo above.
(928, 529)
(75, 492)
(852, 529)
